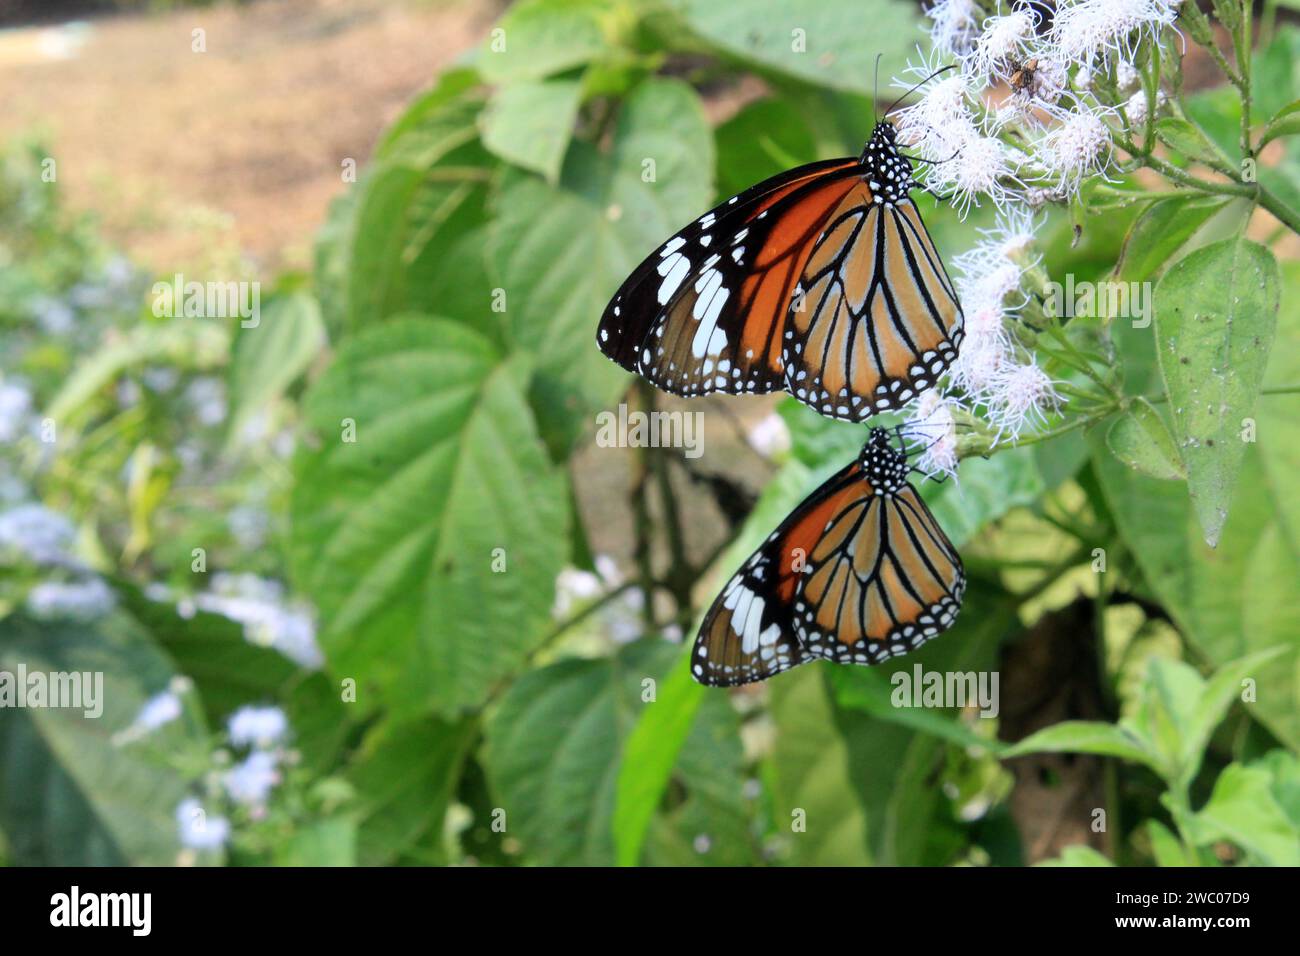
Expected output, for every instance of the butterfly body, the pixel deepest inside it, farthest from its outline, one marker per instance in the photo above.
(821, 281)
(860, 572)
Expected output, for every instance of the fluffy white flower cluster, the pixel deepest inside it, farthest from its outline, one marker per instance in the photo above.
(1012, 119)
(621, 617)
(259, 604)
(248, 783)
(989, 371)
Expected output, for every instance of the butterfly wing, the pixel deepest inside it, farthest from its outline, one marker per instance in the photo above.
(875, 319)
(748, 633)
(882, 580)
(706, 310)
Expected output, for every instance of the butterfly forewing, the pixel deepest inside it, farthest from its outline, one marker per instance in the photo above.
(875, 320)
(704, 312)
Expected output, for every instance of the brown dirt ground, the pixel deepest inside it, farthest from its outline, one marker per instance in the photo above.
(238, 147)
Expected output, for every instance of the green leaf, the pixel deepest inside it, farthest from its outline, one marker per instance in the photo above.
(211, 650)
(530, 124)
(1159, 232)
(1183, 137)
(68, 795)
(1217, 694)
(1140, 439)
(863, 786)
(649, 755)
(555, 748)
(1242, 809)
(431, 542)
(765, 138)
(182, 343)
(1231, 600)
(321, 843)
(1087, 737)
(1078, 855)
(384, 245)
(1285, 123)
(829, 44)
(271, 356)
(1167, 849)
(563, 250)
(404, 776)
(1216, 311)
(539, 38)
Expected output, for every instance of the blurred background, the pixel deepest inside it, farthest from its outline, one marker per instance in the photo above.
(363, 586)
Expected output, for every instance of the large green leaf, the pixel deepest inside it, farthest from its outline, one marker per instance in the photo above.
(69, 795)
(538, 38)
(384, 244)
(1216, 311)
(430, 543)
(833, 43)
(1230, 600)
(562, 250)
(554, 752)
(404, 775)
(1243, 809)
(271, 356)
(530, 124)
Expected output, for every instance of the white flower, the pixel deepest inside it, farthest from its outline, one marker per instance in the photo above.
(932, 422)
(1019, 395)
(251, 781)
(75, 600)
(257, 604)
(199, 831)
(15, 406)
(982, 166)
(1090, 31)
(159, 710)
(1135, 107)
(608, 570)
(573, 585)
(978, 363)
(940, 120)
(1126, 75)
(1004, 43)
(954, 25)
(261, 726)
(207, 396)
(1078, 148)
(56, 318)
(771, 436)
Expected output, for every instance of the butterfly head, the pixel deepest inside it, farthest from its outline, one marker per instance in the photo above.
(888, 171)
(883, 464)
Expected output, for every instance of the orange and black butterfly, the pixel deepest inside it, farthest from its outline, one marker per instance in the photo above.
(857, 574)
(822, 281)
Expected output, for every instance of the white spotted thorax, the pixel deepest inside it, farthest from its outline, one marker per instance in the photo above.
(884, 466)
(889, 173)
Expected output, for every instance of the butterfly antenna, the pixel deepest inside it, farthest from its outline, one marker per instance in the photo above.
(942, 69)
(875, 93)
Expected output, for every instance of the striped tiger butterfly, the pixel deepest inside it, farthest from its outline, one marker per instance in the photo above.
(860, 572)
(822, 280)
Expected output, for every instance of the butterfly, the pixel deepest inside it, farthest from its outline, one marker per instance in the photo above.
(822, 280)
(860, 572)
